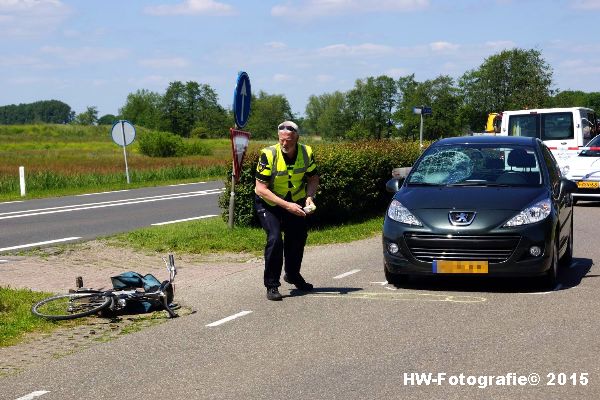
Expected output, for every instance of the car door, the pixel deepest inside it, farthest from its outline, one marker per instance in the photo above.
(562, 200)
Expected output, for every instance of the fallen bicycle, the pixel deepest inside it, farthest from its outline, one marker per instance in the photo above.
(131, 292)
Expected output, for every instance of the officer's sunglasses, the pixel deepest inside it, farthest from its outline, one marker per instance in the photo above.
(286, 128)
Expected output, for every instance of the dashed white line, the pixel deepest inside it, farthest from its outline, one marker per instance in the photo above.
(3, 261)
(345, 274)
(227, 319)
(24, 246)
(187, 184)
(31, 395)
(112, 191)
(184, 220)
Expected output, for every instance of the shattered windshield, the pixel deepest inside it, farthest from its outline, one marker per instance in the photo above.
(477, 165)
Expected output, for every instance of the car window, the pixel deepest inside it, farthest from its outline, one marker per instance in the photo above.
(552, 165)
(473, 164)
(557, 126)
(592, 149)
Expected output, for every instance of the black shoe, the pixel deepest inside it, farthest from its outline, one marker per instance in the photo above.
(273, 294)
(300, 284)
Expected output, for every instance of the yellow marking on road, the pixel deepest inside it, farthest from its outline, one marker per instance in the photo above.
(403, 296)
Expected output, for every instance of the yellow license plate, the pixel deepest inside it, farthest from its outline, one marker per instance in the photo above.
(587, 184)
(460, 267)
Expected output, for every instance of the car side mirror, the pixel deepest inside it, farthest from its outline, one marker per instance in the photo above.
(393, 185)
(567, 186)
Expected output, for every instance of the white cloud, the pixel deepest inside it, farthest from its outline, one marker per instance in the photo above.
(397, 72)
(361, 50)
(191, 7)
(586, 4)
(171, 62)
(324, 78)
(500, 44)
(321, 8)
(282, 78)
(18, 61)
(443, 46)
(85, 55)
(31, 17)
(276, 45)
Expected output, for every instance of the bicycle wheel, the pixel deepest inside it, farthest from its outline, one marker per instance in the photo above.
(71, 306)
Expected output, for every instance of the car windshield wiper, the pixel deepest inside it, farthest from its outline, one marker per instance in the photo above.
(423, 184)
(478, 183)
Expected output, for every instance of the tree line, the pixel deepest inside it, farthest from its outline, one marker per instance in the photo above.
(375, 108)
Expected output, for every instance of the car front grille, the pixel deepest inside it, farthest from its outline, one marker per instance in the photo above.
(493, 248)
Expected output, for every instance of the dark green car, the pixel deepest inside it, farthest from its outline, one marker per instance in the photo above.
(490, 205)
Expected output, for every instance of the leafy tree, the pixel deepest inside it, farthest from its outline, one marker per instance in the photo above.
(88, 117)
(267, 111)
(107, 119)
(511, 80)
(142, 108)
(45, 111)
(372, 102)
(328, 115)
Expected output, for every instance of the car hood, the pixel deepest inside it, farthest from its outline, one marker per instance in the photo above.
(493, 205)
(583, 165)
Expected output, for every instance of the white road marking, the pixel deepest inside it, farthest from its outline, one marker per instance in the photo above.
(31, 395)
(227, 319)
(382, 283)
(23, 246)
(3, 261)
(345, 274)
(184, 220)
(10, 202)
(115, 203)
(186, 184)
(92, 194)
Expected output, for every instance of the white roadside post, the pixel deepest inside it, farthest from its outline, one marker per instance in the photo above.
(423, 110)
(123, 134)
(22, 180)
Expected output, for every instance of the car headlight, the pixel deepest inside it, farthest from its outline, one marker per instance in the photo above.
(398, 212)
(531, 214)
(565, 170)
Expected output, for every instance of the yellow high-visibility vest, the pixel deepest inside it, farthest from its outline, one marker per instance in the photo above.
(283, 180)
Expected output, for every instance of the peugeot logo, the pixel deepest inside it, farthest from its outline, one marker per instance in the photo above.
(461, 218)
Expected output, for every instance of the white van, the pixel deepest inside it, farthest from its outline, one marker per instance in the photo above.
(563, 130)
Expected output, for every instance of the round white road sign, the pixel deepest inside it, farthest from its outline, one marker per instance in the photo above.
(123, 133)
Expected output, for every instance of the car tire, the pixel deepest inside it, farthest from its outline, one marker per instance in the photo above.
(550, 280)
(395, 279)
(567, 258)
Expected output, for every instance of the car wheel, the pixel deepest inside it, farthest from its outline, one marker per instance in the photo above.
(550, 279)
(567, 258)
(395, 279)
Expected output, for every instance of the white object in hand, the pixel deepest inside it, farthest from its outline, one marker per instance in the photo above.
(309, 208)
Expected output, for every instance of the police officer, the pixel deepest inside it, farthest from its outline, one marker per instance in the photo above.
(286, 184)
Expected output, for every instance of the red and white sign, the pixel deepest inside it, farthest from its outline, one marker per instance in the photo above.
(239, 144)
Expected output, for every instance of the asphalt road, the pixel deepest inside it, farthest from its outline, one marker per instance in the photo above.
(65, 219)
(355, 337)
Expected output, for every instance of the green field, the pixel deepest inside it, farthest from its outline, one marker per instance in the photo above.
(69, 159)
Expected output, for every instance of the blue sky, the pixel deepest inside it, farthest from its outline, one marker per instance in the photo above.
(96, 52)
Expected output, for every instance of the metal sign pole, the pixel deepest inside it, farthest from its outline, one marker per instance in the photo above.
(124, 151)
(232, 194)
(232, 198)
(421, 134)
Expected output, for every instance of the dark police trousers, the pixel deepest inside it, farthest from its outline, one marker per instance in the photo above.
(275, 221)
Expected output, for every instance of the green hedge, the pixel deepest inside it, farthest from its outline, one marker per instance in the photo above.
(352, 187)
(165, 144)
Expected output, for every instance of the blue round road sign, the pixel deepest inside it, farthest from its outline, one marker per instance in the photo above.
(241, 100)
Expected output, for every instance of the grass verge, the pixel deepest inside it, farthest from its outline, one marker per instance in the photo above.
(16, 318)
(212, 235)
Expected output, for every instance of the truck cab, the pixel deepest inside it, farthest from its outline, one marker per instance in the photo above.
(563, 130)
